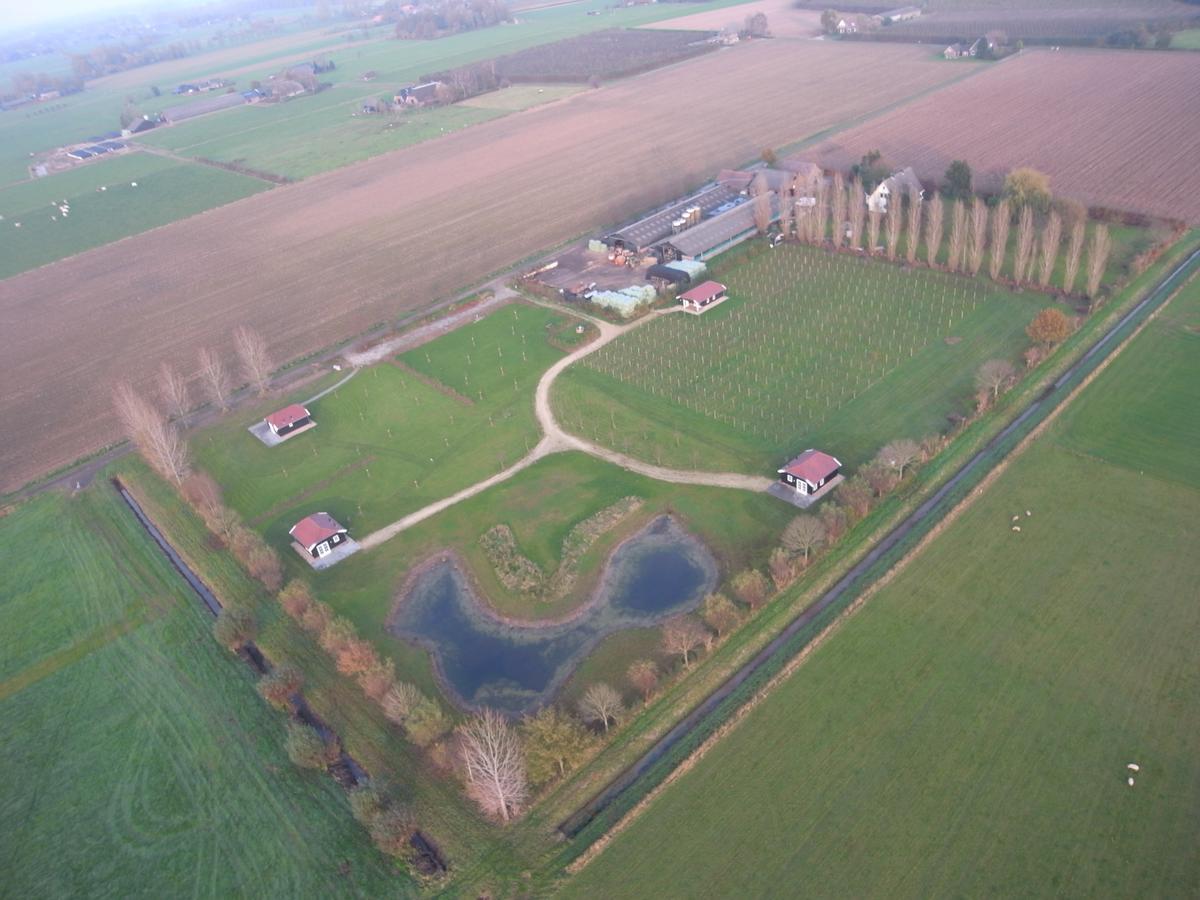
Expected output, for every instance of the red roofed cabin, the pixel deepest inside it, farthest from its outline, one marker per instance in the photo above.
(810, 471)
(703, 296)
(288, 419)
(318, 534)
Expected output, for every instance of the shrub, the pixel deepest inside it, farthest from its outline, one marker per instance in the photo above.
(296, 599)
(278, 687)
(336, 635)
(392, 830)
(366, 803)
(378, 680)
(234, 627)
(426, 722)
(305, 747)
(751, 588)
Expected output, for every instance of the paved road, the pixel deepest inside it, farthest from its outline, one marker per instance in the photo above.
(924, 515)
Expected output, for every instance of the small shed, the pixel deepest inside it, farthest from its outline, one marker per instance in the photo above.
(318, 534)
(810, 471)
(703, 296)
(290, 418)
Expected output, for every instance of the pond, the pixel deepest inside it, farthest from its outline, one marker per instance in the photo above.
(482, 660)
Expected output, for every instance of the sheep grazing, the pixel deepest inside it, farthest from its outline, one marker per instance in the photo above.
(1016, 518)
(1134, 767)
(133, 184)
(1016, 528)
(1130, 780)
(1029, 512)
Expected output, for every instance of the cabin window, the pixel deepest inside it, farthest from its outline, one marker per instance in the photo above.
(323, 549)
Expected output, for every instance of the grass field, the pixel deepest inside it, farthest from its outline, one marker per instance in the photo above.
(394, 439)
(167, 190)
(812, 349)
(1188, 39)
(140, 760)
(967, 732)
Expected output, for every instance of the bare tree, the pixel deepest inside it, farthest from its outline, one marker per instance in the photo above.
(682, 635)
(874, 219)
(601, 703)
(214, 378)
(839, 209)
(1074, 254)
(1051, 239)
(820, 212)
(1000, 222)
(1023, 255)
(894, 220)
(803, 534)
(159, 441)
(857, 209)
(899, 455)
(979, 224)
(933, 229)
(1097, 260)
(256, 362)
(643, 676)
(994, 375)
(173, 390)
(958, 236)
(788, 217)
(495, 770)
(720, 614)
(913, 225)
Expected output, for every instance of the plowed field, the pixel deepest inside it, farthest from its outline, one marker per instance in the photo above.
(314, 262)
(1115, 129)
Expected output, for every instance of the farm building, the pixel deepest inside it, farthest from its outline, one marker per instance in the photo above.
(318, 534)
(899, 14)
(896, 184)
(645, 233)
(807, 175)
(202, 107)
(145, 123)
(418, 94)
(289, 419)
(678, 273)
(845, 26)
(809, 472)
(703, 296)
(719, 233)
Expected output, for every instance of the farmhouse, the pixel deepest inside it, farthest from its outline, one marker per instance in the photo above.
(896, 184)
(318, 534)
(847, 27)
(703, 296)
(719, 233)
(811, 471)
(289, 419)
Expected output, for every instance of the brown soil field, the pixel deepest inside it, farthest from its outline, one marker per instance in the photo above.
(311, 263)
(1111, 128)
(785, 20)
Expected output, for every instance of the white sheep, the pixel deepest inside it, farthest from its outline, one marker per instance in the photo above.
(1130, 779)
(1029, 512)
(1134, 767)
(1016, 528)
(1016, 518)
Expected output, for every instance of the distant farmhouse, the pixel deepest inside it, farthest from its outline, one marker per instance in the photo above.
(980, 47)
(896, 184)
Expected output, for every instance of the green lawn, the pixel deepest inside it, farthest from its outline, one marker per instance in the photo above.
(967, 732)
(167, 190)
(392, 439)
(139, 759)
(812, 349)
(1188, 39)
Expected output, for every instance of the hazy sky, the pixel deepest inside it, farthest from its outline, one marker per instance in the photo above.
(21, 13)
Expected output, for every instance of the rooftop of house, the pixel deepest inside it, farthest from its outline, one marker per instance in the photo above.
(289, 415)
(812, 466)
(311, 530)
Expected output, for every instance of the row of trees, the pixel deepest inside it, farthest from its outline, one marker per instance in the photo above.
(974, 233)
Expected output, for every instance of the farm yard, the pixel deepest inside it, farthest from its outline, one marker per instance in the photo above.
(462, 206)
(969, 730)
(1069, 95)
(813, 349)
(107, 201)
(122, 712)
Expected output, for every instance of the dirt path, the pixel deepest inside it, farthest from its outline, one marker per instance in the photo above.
(556, 440)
